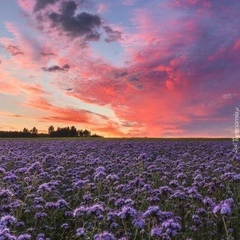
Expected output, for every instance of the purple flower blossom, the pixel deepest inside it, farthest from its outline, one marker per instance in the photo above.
(112, 177)
(96, 209)
(79, 212)
(6, 194)
(127, 211)
(61, 203)
(114, 225)
(196, 219)
(152, 210)
(51, 205)
(80, 232)
(5, 234)
(41, 236)
(171, 227)
(65, 226)
(224, 207)
(7, 220)
(40, 215)
(138, 223)
(24, 237)
(80, 184)
(104, 236)
(156, 232)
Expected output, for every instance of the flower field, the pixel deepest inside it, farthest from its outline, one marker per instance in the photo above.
(119, 189)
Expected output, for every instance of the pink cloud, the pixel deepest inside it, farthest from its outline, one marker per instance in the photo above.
(128, 2)
(26, 5)
(102, 8)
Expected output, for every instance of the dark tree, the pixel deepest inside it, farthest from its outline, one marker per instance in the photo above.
(86, 133)
(50, 130)
(73, 132)
(34, 132)
(80, 133)
(25, 133)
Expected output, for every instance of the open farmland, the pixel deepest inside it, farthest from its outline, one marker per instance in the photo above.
(119, 189)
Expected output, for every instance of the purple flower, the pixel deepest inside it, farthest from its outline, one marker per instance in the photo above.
(87, 197)
(138, 223)
(4, 234)
(40, 215)
(174, 183)
(68, 213)
(171, 227)
(111, 216)
(112, 177)
(179, 194)
(20, 224)
(208, 201)
(104, 236)
(113, 225)
(41, 236)
(7, 220)
(156, 232)
(44, 188)
(24, 237)
(65, 226)
(61, 203)
(80, 184)
(38, 200)
(35, 167)
(127, 211)
(80, 232)
(196, 219)
(165, 190)
(224, 207)
(152, 210)
(96, 209)
(6, 194)
(78, 212)
(51, 205)
(11, 177)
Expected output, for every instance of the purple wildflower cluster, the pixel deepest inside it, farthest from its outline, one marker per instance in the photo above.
(118, 189)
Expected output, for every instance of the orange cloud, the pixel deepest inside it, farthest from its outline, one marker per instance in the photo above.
(54, 114)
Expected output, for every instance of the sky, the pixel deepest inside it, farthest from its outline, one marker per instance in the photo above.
(122, 68)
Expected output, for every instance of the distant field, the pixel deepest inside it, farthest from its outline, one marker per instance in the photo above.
(76, 188)
(126, 139)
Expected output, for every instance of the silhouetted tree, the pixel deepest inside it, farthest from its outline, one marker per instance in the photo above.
(96, 136)
(25, 132)
(34, 132)
(73, 132)
(80, 133)
(69, 132)
(86, 133)
(50, 130)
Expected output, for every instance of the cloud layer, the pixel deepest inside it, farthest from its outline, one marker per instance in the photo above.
(179, 74)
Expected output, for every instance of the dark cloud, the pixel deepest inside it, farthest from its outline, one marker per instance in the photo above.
(68, 8)
(120, 74)
(14, 50)
(47, 54)
(133, 79)
(80, 25)
(112, 35)
(72, 22)
(56, 68)
(69, 89)
(41, 4)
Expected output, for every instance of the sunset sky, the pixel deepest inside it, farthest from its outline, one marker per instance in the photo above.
(121, 68)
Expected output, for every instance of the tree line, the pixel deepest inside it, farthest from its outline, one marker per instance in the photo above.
(59, 132)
